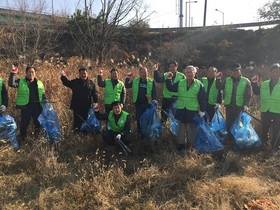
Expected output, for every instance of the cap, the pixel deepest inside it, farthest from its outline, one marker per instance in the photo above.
(235, 66)
(115, 103)
(275, 66)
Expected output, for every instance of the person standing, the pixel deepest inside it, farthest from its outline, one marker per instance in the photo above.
(114, 89)
(269, 92)
(214, 96)
(191, 100)
(3, 97)
(143, 92)
(168, 96)
(84, 95)
(30, 96)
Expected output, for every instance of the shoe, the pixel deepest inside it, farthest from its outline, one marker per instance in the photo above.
(37, 133)
(181, 148)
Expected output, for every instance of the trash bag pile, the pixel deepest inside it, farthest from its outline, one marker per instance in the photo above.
(218, 126)
(91, 124)
(173, 126)
(8, 130)
(205, 140)
(150, 124)
(245, 136)
(49, 121)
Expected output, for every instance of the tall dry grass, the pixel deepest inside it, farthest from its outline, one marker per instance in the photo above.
(80, 173)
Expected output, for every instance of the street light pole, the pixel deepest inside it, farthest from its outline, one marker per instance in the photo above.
(223, 14)
(189, 11)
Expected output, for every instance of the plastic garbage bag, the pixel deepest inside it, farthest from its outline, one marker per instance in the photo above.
(218, 126)
(245, 136)
(91, 124)
(8, 130)
(205, 139)
(150, 123)
(49, 121)
(173, 126)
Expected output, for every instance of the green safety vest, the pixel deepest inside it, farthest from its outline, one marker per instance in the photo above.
(112, 94)
(1, 84)
(120, 124)
(168, 94)
(23, 92)
(239, 92)
(188, 98)
(135, 88)
(213, 92)
(270, 101)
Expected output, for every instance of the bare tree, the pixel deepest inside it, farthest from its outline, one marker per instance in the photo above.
(270, 11)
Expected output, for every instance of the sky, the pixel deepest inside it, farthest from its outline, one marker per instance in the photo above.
(166, 12)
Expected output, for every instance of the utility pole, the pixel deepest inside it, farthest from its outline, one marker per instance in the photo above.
(205, 9)
(181, 14)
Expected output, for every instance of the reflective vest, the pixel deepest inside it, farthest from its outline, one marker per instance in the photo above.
(213, 92)
(1, 84)
(188, 98)
(135, 88)
(23, 92)
(168, 94)
(270, 101)
(119, 126)
(239, 92)
(112, 94)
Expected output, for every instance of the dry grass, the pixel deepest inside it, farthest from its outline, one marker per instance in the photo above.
(79, 173)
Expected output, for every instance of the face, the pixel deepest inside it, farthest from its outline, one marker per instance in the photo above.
(114, 75)
(143, 73)
(190, 73)
(30, 74)
(211, 72)
(172, 67)
(117, 109)
(275, 74)
(83, 75)
(236, 73)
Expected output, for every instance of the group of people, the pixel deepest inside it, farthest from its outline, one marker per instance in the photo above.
(193, 96)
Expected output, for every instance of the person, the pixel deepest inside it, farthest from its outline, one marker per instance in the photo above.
(237, 94)
(84, 95)
(269, 92)
(3, 97)
(143, 92)
(214, 95)
(114, 89)
(119, 124)
(168, 97)
(191, 101)
(30, 96)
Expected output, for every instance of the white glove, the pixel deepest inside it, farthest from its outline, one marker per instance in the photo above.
(201, 114)
(118, 137)
(156, 67)
(255, 79)
(14, 68)
(3, 108)
(96, 107)
(245, 108)
(169, 75)
(217, 106)
(63, 73)
(219, 75)
(101, 72)
(128, 75)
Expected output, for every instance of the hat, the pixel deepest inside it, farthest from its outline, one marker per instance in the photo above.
(235, 66)
(275, 66)
(115, 103)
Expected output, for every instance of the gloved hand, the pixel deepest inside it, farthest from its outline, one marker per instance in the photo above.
(96, 107)
(118, 137)
(15, 68)
(255, 79)
(155, 67)
(63, 73)
(101, 72)
(219, 75)
(128, 75)
(155, 103)
(217, 106)
(169, 75)
(201, 114)
(245, 108)
(3, 108)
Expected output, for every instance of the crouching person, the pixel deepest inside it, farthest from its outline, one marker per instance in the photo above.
(118, 127)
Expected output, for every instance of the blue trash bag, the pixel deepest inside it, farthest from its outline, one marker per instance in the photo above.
(205, 139)
(49, 121)
(150, 125)
(218, 126)
(8, 130)
(173, 126)
(91, 124)
(245, 136)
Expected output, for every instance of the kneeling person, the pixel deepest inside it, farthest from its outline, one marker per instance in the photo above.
(119, 124)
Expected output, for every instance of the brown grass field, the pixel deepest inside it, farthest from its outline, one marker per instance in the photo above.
(79, 173)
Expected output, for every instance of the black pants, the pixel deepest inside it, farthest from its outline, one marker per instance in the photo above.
(210, 109)
(166, 104)
(33, 110)
(109, 138)
(79, 117)
(231, 115)
(140, 109)
(270, 120)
